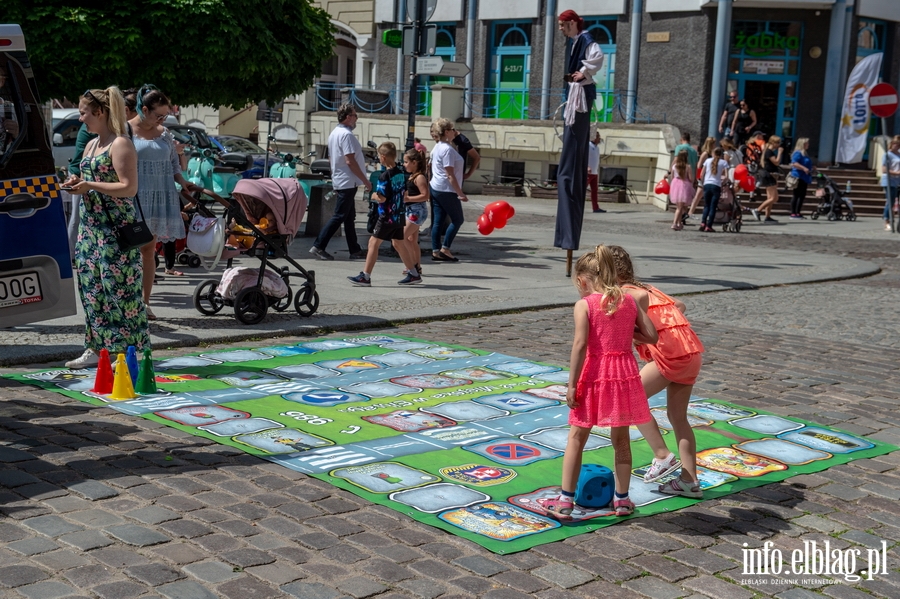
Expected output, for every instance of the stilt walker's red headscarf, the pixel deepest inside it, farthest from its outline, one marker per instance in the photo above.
(571, 15)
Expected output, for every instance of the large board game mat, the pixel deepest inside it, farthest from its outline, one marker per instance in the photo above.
(457, 438)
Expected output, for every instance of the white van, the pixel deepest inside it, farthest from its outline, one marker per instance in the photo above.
(36, 281)
(65, 128)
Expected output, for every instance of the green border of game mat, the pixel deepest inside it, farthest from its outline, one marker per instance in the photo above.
(544, 470)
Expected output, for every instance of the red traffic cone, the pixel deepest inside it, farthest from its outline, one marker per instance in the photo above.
(103, 382)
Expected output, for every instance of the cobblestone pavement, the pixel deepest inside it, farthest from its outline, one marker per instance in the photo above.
(96, 504)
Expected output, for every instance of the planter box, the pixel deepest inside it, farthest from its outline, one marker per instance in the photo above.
(505, 191)
(617, 196)
(544, 193)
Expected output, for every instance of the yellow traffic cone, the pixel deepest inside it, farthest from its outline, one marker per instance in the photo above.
(122, 387)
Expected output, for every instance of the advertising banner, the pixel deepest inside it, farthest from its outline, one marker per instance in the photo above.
(855, 114)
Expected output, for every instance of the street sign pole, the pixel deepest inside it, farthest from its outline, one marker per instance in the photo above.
(418, 27)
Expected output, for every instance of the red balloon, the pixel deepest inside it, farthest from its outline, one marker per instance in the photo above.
(510, 212)
(699, 171)
(497, 218)
(498, 205)
(484, 225)
(740, 172)
(662, 188)
(748, 183)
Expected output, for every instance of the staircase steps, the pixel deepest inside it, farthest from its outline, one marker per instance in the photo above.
(865, 193)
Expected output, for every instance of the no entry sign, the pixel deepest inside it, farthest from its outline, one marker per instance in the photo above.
(883, 100)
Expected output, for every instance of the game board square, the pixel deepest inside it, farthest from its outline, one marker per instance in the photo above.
(498, 520)
(240, 355)
(515, 401)
(557, 438)
(398, 358)
(238, 427)
(783, 451)
(513, 452)
(385, 477)
(463, 411)
(766, 424)
(439, 497)
(827, 440)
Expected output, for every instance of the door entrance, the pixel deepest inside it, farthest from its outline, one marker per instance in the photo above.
(762, 96)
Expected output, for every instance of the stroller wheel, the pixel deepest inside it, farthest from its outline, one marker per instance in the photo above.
(285, 302)
(194, 261)
(851, 216)
(814, 215)
(737, 227)
(206, 300)
(832, 216)
(183, 259)
(306, 301)
(250, 305)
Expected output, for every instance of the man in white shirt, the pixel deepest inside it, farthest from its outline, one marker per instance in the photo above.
(594, 170)
(348, 171)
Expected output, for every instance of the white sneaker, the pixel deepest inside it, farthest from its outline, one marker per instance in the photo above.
(660, 468)
(88, 359)
(887, 226)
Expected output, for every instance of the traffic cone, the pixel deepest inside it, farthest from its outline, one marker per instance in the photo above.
(122, 387)
(146, 382)
(132, 361)
(103, 381)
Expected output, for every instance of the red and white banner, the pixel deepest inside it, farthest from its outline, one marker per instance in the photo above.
(855, 114)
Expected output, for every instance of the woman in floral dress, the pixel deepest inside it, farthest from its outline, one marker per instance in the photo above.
(109, 280)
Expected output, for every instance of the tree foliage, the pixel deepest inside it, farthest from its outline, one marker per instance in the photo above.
(210, 52)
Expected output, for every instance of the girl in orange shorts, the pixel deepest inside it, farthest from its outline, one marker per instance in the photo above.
(673, 364)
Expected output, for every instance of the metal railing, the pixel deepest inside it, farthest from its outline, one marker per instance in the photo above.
(492, 103)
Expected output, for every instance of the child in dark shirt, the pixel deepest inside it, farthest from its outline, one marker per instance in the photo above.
(389, 194)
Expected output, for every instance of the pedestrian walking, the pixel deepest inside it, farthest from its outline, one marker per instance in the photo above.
(713, 176)
(706, 151)
(801, 167)
(743, 123)
(891, 179)
(109, 278)
(446, 189)
(681, 189)
(594, 171)
(159, 168)
(731, 107)
(417, 196)
(348, 171)
(604, 383)
(768, 178)
(673, 363)
(584, 61)
(391, 221)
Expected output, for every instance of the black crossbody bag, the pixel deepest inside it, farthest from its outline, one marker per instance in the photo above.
(130, 235)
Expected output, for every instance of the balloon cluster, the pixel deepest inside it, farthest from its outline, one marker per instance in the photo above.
(744, 178)
(495, 216)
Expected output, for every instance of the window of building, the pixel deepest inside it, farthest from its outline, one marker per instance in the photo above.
(512, 172)
(603, 30)
(446, 49)
(507, 96)
(869, 38)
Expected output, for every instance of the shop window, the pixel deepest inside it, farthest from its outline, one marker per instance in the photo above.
(508, 93)
(869, 38)
(512, 172)
(603, 31)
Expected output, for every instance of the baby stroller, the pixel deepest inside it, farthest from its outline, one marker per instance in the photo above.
(269, 286)
(832, 203)
(728, 210)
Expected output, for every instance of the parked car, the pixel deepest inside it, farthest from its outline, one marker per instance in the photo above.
(65, 131)
(233, 143)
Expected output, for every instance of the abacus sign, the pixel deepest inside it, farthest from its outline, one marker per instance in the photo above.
(883, 100)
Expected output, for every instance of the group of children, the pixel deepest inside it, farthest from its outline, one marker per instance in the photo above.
(402, 195)
(606, 388)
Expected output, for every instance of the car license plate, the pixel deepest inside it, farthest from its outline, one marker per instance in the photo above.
(19, 289)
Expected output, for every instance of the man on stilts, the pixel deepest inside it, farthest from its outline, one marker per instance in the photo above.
(584, 61)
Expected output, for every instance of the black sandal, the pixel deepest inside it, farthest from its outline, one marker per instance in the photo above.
(448, 258)
(439, 257)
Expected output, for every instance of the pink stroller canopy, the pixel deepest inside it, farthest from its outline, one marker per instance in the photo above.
(284, 197)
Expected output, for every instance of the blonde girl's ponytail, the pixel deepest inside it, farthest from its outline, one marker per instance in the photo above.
(116, 110)
(716, 157)
(607, 280)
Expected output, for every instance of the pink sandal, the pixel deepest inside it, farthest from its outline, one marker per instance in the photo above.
(623, 507)
(558, 507)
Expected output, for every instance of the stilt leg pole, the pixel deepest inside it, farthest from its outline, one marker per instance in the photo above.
(568, 263)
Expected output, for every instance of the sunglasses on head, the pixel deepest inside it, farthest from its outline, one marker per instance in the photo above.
(87, 94)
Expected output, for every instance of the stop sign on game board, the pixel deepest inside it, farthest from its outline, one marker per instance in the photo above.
(883, 100)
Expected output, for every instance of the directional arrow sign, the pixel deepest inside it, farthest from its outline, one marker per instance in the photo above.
(429, 65)
(454, 69)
